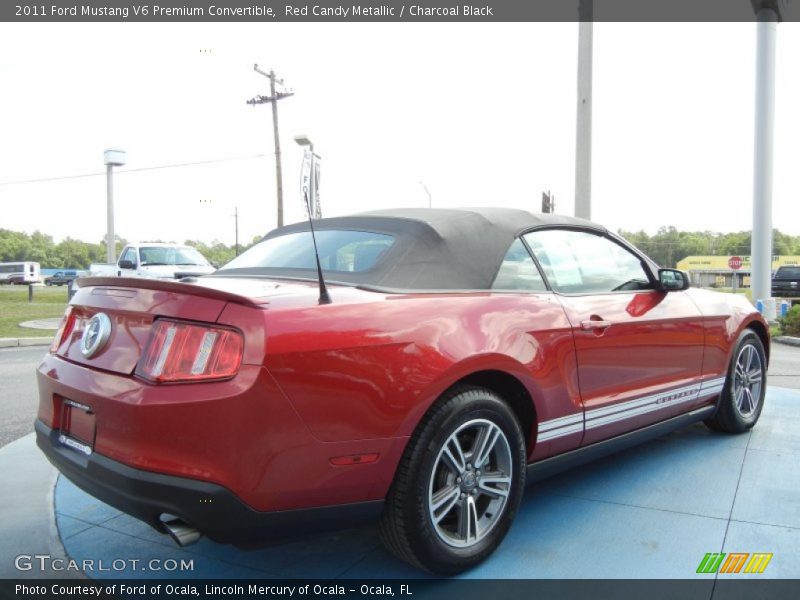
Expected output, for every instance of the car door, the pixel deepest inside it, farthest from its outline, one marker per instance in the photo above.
(639, 350)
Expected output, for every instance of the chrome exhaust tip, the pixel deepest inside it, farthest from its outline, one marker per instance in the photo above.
(182, 533)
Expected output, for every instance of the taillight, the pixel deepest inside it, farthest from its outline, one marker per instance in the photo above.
(64, 330)
(179, 351)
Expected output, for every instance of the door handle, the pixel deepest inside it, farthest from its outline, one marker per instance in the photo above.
(595, 324)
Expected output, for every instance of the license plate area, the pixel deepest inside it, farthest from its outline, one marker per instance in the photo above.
(77, 426)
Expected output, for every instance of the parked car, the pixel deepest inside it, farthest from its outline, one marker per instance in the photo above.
(155, 260)
(61, 278)
(452, 356)
(786, 281)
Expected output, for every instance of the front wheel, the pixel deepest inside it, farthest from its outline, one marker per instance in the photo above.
(742, 397)
(458, 485)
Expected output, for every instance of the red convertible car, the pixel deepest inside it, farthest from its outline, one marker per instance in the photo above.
(454, 355)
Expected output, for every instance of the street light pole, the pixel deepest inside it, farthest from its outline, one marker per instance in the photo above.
(112, 158)
(273, 99)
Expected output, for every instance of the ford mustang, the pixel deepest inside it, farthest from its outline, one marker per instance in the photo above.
(413, 367)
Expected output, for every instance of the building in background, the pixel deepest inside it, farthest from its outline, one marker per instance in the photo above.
(714, 271)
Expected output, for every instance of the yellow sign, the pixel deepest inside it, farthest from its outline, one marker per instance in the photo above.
(720, 263)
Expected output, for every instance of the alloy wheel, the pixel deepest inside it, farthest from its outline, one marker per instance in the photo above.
(470, 483)
(747, 380)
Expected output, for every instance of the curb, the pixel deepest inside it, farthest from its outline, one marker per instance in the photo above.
(787, 340)
(28, 341)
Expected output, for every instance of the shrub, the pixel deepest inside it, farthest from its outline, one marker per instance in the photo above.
(790, 324)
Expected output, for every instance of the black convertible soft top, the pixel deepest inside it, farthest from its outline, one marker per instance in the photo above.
(434, 248)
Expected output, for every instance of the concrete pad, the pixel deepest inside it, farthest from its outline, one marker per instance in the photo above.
(96, 544)
(674, 474)
(324, 556)
(27, 524)
(50, 323)
(73, 502)
(67, 526)
(779, 425)
(556, 537)
(769, 491)
(782, 542)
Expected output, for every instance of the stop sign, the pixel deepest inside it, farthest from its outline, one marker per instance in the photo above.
(735, 262)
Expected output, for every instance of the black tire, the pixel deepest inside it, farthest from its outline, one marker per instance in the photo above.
(742, 398)
(409, 527)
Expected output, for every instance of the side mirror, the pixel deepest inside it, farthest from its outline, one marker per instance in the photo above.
(672, 280)
(126, 264)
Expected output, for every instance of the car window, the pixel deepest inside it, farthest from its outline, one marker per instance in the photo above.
(788, 272)
(518, 271)
(578, 262)
(129, 254)
(171, 255)
(339, 250)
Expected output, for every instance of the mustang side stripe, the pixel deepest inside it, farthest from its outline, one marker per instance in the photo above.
(570, 424)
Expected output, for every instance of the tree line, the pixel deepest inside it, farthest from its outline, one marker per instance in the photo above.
(77, 254)
(666, 247)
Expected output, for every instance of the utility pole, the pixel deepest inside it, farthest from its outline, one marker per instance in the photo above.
(236, 222)
(583, 144)
(273, 98)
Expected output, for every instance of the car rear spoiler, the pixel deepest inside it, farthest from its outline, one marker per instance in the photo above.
(178, 287)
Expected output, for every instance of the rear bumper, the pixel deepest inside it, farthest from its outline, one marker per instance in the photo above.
(212, 509)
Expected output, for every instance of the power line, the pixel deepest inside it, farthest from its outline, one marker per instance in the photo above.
(137, 170)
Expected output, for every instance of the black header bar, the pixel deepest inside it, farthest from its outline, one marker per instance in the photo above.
(366, 11)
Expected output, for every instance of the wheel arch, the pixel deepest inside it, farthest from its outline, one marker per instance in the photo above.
(513, 392)
(761, 331)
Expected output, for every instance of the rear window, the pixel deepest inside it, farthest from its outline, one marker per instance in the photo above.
(340, 251)
(788, 272)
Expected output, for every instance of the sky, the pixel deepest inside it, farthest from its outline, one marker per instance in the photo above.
(482, 114)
